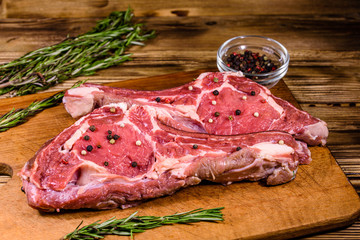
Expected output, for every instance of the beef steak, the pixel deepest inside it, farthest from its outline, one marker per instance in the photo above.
(215, 103)
(120, 155)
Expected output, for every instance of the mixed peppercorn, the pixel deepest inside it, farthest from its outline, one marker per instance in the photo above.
(250, 62)
(112, 139)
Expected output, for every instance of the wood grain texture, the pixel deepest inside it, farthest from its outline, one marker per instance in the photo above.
(320, 198)
(322, 38)
(100, 8)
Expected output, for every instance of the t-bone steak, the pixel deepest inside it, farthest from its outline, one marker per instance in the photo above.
(215, 103)
(120, 155)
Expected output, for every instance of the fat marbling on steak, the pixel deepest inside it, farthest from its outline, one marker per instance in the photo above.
(120, 155)
(215, 103)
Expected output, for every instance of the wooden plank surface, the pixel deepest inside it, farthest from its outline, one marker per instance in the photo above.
(320, 198)
(322, 38)
(100, 8)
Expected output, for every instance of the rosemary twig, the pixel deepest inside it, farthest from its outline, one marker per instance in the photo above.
(18, 116)
(136, 224)
(100, 48)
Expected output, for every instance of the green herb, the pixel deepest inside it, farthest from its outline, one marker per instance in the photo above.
(16, 117)
(136, 224)
(100, 48)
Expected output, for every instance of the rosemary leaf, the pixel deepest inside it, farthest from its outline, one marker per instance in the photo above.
(136, 224)
(102, 47)
(16, 117)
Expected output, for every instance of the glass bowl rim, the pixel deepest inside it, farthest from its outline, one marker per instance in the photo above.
(276, 72)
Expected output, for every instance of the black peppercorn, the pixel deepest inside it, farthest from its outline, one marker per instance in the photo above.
(195, 146)
(109, 132)
(106, 163)
(89, 148)
(116, 137)
(158, 99)
(109, 137)
(92, 128)
(252, 93)
(134, 164)
(98, 146)
(86, 137)
(217, 114)
(238, 148)
(216, 92)
(237, 112)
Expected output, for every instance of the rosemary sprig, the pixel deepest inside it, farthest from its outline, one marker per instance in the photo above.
(100, 48)
(18, 116)
(136, 224)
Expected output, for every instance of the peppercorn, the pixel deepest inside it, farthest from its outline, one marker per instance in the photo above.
(98, 146)
(86, 137)
(89, 148)
(237, 112)
(238, 148)
(92, 128)
(106, 163)
(249, 62)
(195, 146)
(22, 189)
(252, 93)
(217, 114)
(109, 132)
(116, 137)
(109, 137)
(158, 99)
(216, 92)
(134, 164)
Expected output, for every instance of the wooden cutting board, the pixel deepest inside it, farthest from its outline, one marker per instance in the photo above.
(320, 198)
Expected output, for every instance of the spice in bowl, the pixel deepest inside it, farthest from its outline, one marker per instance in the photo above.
(261, 59)
(250, 62)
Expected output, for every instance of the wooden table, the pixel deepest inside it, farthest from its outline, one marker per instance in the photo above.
(322, 38)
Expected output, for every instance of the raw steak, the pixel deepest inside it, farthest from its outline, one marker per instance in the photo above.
(215, 103)
(84, 167)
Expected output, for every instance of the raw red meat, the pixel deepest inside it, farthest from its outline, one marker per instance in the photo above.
(84, 167)
(243, 106)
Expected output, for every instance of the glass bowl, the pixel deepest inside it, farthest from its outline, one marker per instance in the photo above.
(272, 49)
